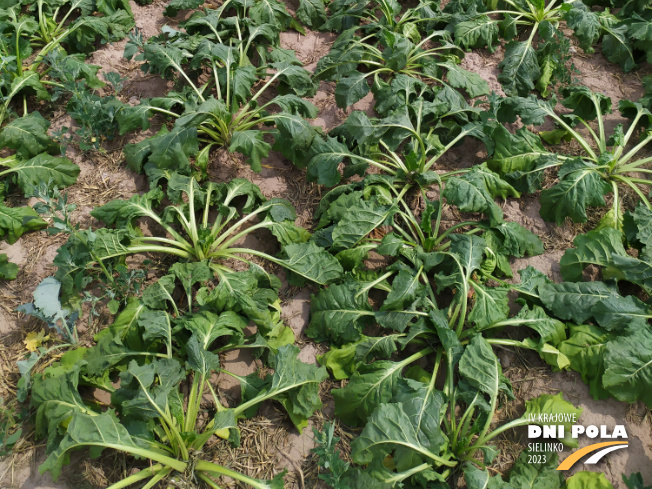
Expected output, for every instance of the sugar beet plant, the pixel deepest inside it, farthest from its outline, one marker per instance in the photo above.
(31, 30)
(607, 162)
(206, 227)
(609, 342)
(624, 33)
(538, 62)
(381, 47)
(243, 61)
(311, 12)
(524, 473)
(33, 160)
(344, 14)
(424, 382)
(154, 351)
(419, 124)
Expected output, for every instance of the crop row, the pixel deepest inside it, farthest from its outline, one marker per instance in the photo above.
(415, 338)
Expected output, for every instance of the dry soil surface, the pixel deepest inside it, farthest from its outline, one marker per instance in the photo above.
(277, 445)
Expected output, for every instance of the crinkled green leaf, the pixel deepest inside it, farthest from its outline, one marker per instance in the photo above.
(53, 170)
(389, 428)
(596, 247)
(580, 186)
(588, 480)
(617, 48)
(574, 301)
(359, 221)
(628, 372)
(312, 13)
(520, 68)
(98, 431)
(252, 145)
(16, 221)
(339, 313)
(351, 89)
(585, 348)
(369, 387)
(28, 136)
(311, 262)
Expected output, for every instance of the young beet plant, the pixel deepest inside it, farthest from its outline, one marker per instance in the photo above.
(611, 336)
(606, 165)
(27, 38)
(244, 62)
(31, 164)
(535, 62)
(339, 474)
(208, 227)
(389, 13)
(440, 316)
(625, 34)
(153, 355)
(398, 144)
(383, 54)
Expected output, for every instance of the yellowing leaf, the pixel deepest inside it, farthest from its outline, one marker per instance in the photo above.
(34, 340)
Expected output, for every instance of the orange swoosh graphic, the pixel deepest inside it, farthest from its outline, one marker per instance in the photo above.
(575, 456)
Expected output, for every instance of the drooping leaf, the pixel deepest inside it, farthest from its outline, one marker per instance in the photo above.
(85, 430)
(351, 89)
(480, 367)
(389, 427)
(580, 186)
(585, 348)
(16, 221)
(339, 314)
(520, 68)
(28, 136)
(312, 13)
(593, 248)
(628, 363)
(617, 48)
(574, 301)
(251, 144)
(369, 387)
(359, 221)
(55, 171)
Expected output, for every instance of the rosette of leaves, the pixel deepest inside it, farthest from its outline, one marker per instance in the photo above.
(158, 366)
(374, 216)
(30, 163)
(419, 125)
(435, 109)
(607, 162)
(522, 474)
(537, 62)
(244, 63)
(343, 14)
(202, 223)
(274, 12)
(625, 34)
(342, 475)
(30, 30)
(383, 47)
(610, 332)
(429, 316)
